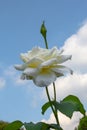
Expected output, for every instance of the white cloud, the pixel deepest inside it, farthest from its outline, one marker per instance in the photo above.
(77, 46)
(65, 122)
(71, 84)
(2, 82)
(75, 84)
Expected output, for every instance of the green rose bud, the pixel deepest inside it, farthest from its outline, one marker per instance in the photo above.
(43, 30)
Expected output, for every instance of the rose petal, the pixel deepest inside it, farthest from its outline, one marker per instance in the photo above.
(24, 76)
(34, 62)
(45, 79)
(31, 54)
(20, 67)
(63, 58)
(37, 51)
(61, 69)
(24, 57)
(31, 72)
(48, 63)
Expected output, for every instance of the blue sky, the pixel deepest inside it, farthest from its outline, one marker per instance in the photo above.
(20, 23)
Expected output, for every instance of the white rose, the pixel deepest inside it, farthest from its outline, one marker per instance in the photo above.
(43, 66)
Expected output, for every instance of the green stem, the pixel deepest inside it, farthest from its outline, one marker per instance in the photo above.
(54, 91)
(55, 101)
(49, 99)
(46, 42)
(54, 110)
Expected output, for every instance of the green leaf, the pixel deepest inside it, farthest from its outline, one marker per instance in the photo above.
(41, 126)
(65, 108)
(83, 123)
(38, 126)
(69, 105)
(45, 107)
(14, 125)
(76, 102)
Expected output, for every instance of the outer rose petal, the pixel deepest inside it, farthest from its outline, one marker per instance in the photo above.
(31, 72)
(55, 52)
(20, 67)
(63, 58)
(61, 69)
(45, 79)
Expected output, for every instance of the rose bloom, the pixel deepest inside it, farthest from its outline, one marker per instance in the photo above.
(43, 66)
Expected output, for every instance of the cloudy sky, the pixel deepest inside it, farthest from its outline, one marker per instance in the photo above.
(20, 22)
